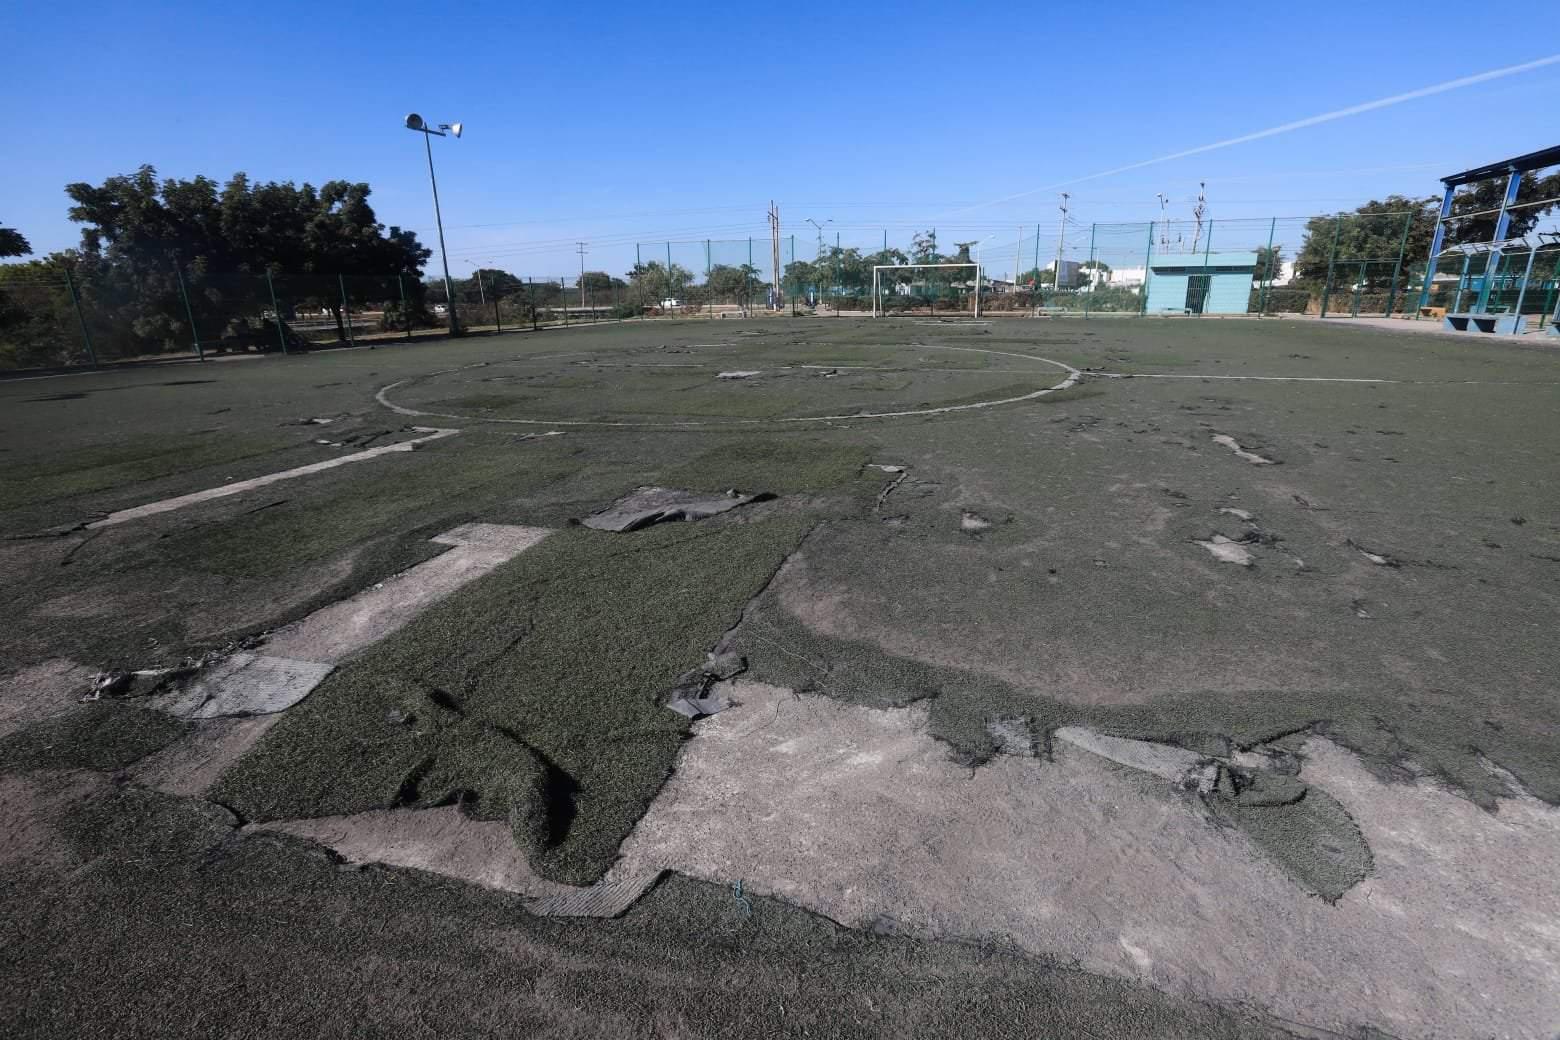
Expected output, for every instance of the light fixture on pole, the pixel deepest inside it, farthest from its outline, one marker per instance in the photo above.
(415, 122)
(819, 226)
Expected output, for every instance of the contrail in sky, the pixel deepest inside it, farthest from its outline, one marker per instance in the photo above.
(1299, 124)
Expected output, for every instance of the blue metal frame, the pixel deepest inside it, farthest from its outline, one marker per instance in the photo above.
(1435, 246)
(1502, 225)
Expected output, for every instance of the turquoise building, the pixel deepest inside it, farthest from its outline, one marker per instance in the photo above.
(1201, 283)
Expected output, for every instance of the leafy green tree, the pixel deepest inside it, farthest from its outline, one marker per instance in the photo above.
(140, 232)
(1270, 263)
(12, 243)
(1373, 232)
(726, 282)
(653, 282)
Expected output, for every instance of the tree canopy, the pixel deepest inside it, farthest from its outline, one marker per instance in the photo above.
(140, 233)
(12, 243)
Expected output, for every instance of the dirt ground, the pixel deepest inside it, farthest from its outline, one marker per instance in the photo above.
(1310, 572)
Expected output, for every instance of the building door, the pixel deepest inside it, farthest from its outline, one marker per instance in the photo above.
(1197, 286)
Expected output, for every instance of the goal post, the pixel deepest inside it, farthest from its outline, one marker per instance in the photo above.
(884, 275)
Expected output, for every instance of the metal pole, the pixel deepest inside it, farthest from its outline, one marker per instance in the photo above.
(438, 217)
(1435, 248)
(1207, 282)
(531, 292)
(481, 292)
(1359, 285)
(178, 270)
(346, 314)
(563, 294)
(1061, 236)
(980, 275)
(583, 304)
(406, 312)
(498, 321)
(1093, 271)
(1522, 292)
(1502, 225)
(1148, 267)
(75, 300)
(276, 311)
(1268, 272)
(1327, 289)
(1462, 281)
(1397, 269)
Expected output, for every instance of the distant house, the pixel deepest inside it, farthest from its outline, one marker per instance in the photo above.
(1201, 283)
(1123, 277)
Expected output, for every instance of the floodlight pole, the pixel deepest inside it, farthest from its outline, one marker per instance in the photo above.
(438, 217)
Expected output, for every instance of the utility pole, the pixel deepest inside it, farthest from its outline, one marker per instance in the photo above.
(1198, 212)
(774, 252)
(581, 251)
(1164, 224)
(1061, 236)
(1018, 255)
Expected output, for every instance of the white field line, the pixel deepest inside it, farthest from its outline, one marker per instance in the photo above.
(1073, 377)
(1260, 379)
(168, 505)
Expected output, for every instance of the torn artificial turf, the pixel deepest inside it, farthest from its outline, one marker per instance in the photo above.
(532, 696)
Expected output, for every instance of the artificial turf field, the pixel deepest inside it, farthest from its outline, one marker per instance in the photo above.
(1028, 562)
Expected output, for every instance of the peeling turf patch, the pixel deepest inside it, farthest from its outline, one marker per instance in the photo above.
(532, 697)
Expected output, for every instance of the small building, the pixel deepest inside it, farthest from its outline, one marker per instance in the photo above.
(1201, 283)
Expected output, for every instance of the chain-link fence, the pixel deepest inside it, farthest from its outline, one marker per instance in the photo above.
(1366, 264)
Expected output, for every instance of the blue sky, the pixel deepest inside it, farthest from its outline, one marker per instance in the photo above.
(624, 123)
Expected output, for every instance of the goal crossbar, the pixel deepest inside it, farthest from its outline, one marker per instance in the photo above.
(980, 274)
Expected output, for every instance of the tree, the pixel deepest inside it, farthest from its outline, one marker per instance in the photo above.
(1372, 234)
(12, 243)
(141, 233)
(598, 281)
(733, 283)
(653, 282)
(1270, 264)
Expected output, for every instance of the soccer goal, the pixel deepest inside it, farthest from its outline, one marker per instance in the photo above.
(917, 280)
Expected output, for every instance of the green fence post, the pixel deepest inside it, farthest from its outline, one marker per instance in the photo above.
(75, 299)
(1522, 292)
(276, 311)
(1034, 296)
(178, 270)
(498, 320)
(1327, 289)
(563, 294)
(1093, 273)
(1267, 279)
(531, 292)
(1148, 263)
(346, 312)
(1359, 287)
(406, 312)
(1462, 282)
(1397, 268)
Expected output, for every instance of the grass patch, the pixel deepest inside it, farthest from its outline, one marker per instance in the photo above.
(103, 736)
(532, 696)
(769, 464)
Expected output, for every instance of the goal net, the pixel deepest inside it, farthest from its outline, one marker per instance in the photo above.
(907, 288)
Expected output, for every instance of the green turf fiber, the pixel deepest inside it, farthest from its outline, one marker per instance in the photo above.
(533, 694)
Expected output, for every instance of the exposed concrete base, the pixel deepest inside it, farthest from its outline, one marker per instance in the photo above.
(191, 766)
(446, 842)
(246, 684)
(858, 814)
(335, 632)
